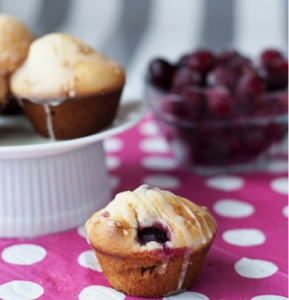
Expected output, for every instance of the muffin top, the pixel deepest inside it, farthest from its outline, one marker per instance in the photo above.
(149, 219)
(15, 39)
(61, 66)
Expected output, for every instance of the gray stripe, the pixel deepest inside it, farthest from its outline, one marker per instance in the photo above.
(123, 42)
(51, 15)
(218, 24)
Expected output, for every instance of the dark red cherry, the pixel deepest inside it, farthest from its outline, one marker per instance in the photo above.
(274, 77)
(183, 61)
(160, 73)
(269, 56)
(282, 101)
(227, 55)
(219, 101)
(152, 234)
(184, 77)
(249, 89)
(186, 107)
(202, 61)
(222, 76)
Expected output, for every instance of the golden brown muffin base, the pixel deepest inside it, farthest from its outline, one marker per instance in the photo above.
(140, 275)
(74, 118)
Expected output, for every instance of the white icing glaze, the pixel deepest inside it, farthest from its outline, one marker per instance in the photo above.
(147, 206)
(125, 232)
(110, 223)
(164, 266)
(49, 122)
(184, 269)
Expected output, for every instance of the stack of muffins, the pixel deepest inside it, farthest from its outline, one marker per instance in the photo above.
(67, 90)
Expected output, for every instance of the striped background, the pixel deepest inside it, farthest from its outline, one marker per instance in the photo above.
(133, 31)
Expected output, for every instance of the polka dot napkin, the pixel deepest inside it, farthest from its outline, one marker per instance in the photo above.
(248, 260)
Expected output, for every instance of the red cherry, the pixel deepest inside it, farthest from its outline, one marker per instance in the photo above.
(202, 61)
(255, 140)
(160, 73)
(269, 56)
(227, 55)
(219, 101)
(188, 106)
(249, 89)
(274, 77)
(222, 76)
(183, 61)
(184, 77)
(152, 234)
(282, 100)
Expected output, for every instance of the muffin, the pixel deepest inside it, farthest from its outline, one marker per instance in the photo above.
(150, 242)
(3, 91)
(68, 90)
(15, 39)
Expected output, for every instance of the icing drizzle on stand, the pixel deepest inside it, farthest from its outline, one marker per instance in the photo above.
(49, 122)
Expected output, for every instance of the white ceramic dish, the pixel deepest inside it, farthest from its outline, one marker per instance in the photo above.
(49, 186)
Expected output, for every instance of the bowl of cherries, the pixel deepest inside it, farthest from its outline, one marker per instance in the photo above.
(220, 112)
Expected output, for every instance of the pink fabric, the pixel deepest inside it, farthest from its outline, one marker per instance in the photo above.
(62, 277)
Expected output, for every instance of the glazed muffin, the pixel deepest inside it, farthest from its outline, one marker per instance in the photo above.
(15, 39)
(150, 242)
(68, 90)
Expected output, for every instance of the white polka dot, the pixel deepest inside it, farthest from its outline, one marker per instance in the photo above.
(280, 185)
(113, 144)
(285, 211)
(159, 163)
(255, 268)
(112, 162)
(100, 292)
(244, 237)
(154, 145)
(149, 128)
(269, 297)
(114, 182)
(81, 231)
(225, 183)
(277, 166)
(187, 296)
(88, 259)
(162, 181)
(24, 254)
(233, 208)
(20, 290)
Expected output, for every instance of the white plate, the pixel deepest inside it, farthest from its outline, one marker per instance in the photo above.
(18, 140)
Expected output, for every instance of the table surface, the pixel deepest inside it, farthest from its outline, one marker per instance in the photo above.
(248, 259)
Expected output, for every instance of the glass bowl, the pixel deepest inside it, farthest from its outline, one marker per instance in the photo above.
(207, 145)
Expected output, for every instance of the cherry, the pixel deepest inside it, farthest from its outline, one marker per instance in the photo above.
(202, 60)
(160, 73)
(222, 76)
(249, 89)
(219, 101)
(152, 234)
(188, 106)
(274, 77)
(269, 56)
(184, 77)
(255, 140)
(183, 61)
(282, 100)
(227, 55)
